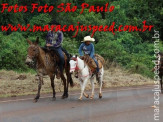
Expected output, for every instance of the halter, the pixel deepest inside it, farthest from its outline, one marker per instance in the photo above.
(34, 59)
(77, 68)
(75, 59)
(37, 49)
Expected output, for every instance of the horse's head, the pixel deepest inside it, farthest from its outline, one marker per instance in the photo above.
(73, 64)
(33, 51)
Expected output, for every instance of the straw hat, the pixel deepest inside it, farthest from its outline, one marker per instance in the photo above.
(88, 38)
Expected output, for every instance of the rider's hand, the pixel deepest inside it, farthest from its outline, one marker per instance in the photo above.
(48, 45)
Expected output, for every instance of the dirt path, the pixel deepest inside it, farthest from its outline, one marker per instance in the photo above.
(131, 104)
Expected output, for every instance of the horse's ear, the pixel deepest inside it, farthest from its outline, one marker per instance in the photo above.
(37, 40)
(70, 55)
(29, 42)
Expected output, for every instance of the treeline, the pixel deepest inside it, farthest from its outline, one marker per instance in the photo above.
(131, 50)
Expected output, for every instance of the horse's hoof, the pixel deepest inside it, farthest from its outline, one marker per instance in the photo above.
(100, 95)
(79, 98)
(64, 96)
(35, 100)
(86, 96)
(91, 97)
(54, 98)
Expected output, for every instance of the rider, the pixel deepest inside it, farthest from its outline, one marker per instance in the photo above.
(88, 48)
(54, 42)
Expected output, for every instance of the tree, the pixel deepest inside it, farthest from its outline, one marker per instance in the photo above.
(10, 17)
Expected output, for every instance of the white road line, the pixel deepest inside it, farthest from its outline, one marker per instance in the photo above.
(17, 100)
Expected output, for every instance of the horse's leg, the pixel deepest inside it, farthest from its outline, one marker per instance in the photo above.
(92, 83)
(83, 87)
(39, 88)
(101, 81)
(65, 93)
(69, 78)
(161, 87)
(86, 95)
(53, 86)
(100, 93)
(161, 82)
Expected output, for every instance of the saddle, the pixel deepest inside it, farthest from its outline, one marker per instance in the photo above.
(54, 54)
(91, 63)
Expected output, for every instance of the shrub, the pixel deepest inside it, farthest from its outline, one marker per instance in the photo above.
(13, 52)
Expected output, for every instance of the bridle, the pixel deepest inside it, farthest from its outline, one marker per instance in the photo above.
(77, 68)
(37, 49)
(34, 58)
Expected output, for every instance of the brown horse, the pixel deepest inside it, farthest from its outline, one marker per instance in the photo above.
(161, 71)
(46, 65)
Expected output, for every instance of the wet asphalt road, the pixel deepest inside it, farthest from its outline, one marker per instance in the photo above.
(129, 104)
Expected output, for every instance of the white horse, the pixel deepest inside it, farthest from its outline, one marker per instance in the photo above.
(84, 73)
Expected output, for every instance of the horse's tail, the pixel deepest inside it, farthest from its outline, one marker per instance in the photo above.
(71, 81)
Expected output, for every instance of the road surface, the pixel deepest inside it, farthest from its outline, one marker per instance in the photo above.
(128, 104)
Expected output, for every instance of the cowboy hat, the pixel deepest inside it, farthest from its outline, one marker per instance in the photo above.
(88, 38)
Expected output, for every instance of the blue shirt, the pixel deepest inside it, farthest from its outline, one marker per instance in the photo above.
(54, 39)
(87, 49)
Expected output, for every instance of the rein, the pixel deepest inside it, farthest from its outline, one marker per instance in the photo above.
(76, 68)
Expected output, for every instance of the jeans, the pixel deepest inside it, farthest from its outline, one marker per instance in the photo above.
(96, 63)
(60, 54)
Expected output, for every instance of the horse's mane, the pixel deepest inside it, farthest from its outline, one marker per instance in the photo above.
(44, 49)
(90, 62)
(51, 52)
(87, 59)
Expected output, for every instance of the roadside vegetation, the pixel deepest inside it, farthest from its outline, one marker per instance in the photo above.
(132, 51)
